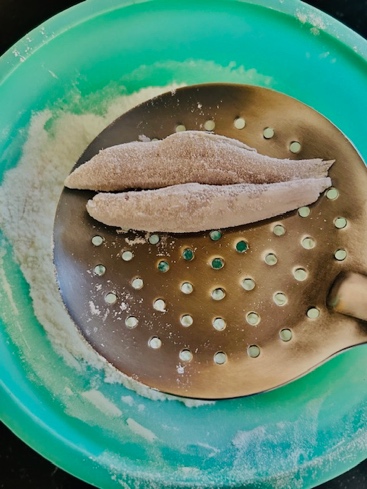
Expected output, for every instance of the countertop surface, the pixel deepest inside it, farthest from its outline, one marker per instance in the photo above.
(22, 467)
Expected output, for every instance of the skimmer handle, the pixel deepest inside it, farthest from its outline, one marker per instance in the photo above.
(348, 295)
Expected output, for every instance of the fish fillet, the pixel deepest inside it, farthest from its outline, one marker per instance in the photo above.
(193, 207)
(187, 157)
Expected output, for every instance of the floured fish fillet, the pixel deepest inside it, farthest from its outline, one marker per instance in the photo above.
(184, 157)
(193, 207)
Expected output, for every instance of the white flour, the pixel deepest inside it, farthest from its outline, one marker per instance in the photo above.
(28, 199)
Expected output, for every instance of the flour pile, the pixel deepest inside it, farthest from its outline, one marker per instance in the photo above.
(28, 198)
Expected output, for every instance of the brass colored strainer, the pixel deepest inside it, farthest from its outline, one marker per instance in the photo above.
(229, 312)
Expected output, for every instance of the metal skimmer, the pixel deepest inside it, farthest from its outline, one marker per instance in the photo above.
(229, 312)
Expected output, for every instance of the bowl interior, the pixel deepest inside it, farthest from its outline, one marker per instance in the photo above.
(80, 62)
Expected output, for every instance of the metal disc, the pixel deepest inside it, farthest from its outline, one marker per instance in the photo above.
(230, 312)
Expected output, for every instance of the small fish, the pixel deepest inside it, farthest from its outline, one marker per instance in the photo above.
(195, 181)
(187, 157)
(193, 207)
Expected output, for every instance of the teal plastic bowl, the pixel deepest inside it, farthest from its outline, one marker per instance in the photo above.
(297, 436)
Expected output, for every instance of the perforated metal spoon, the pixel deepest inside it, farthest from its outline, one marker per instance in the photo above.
(229, 312)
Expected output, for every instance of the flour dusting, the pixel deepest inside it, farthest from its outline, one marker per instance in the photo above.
(102, 403)
(316, 22)
(140, 430)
